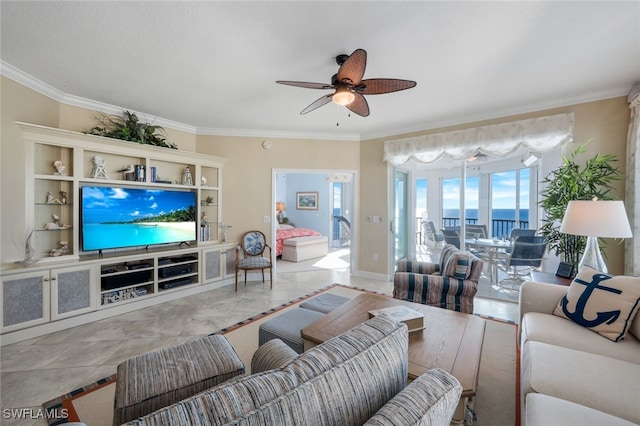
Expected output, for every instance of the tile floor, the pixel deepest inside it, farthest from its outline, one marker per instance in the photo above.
(43, 368)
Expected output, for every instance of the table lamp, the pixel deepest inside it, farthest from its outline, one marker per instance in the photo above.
(593, 219)
(280, 208)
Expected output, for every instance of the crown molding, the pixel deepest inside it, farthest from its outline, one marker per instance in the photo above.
(31, 82)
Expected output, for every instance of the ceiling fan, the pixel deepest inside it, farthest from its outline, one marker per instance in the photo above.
(349, 85)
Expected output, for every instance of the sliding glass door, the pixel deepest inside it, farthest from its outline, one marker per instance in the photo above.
(509, 201)
(400, 226)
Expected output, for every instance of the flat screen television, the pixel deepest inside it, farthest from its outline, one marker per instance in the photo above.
(117, 216)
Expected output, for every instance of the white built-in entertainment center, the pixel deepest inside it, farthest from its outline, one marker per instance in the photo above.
(60, 285)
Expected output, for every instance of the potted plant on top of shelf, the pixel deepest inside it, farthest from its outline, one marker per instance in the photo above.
(130, 128)
(572, 182)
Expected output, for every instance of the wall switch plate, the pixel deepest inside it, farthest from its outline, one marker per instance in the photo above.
(267, 219)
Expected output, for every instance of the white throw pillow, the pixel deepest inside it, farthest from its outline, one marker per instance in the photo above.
(603, 303)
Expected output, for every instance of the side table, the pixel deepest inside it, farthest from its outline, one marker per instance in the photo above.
(550, 278)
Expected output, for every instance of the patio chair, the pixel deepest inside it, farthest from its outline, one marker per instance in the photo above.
(430, 233)
(451, 237)
(527, 254)
(476, 231)
(518, 232)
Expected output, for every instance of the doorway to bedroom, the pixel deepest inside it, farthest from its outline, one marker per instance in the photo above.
(312, 203)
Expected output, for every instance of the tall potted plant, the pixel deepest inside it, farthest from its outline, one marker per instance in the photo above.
(573, 182)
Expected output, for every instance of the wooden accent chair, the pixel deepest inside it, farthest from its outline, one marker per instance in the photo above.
(450, 284)
(252, 247)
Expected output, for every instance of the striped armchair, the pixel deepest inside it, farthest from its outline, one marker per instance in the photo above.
(450, 284)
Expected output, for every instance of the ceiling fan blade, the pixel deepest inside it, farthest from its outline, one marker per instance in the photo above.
(317, 104)
(359, 105)
(306, 84)
(377, 86)
(353, 68)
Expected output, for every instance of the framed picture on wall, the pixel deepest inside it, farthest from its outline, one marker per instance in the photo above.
(307, 200)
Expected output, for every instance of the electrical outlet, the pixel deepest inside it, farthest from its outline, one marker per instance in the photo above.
(375, 257)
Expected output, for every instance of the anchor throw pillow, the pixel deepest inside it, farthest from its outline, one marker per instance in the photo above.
(601, 302)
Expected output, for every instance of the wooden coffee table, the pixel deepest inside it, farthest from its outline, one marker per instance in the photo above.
(451, 340)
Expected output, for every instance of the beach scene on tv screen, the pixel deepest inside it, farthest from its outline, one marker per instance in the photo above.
(115, 217)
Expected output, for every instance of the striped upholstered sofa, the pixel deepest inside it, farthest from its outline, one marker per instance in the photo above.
(356, 378)
(450, 284)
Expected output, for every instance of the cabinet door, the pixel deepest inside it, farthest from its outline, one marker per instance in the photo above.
(72, 291)
(230, 262)
(25, 300)
(212, 270)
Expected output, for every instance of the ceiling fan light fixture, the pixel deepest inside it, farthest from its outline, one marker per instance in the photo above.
(343, 96)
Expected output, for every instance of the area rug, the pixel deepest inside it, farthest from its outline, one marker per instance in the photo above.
(495, 403)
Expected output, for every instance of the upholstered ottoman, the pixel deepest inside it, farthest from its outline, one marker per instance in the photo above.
(304, 248)
(287, 327)
(160, 378)
(324, 303)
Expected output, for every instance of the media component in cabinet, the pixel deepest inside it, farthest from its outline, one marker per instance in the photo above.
(124, 281)
(177, 271)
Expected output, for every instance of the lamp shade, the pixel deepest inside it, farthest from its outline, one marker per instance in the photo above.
(280, 206)
(596, 218)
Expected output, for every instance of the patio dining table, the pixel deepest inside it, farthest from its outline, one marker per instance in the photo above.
(493, 247)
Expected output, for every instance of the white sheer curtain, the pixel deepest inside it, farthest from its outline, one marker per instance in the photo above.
(536, 134)
(632, 196)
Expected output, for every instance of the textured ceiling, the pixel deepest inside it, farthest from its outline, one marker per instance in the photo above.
(213, 65)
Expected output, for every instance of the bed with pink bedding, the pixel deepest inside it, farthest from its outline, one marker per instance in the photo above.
(283, 234)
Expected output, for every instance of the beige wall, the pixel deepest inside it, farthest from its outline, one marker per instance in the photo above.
(247, 175)
(605, 122)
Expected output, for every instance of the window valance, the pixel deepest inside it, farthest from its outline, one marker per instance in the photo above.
(536, 134)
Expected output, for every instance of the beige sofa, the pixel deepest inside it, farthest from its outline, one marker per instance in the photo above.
(571, 375)
(358, 377)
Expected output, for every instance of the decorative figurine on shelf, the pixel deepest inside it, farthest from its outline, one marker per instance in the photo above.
(98, 171)
(60, 168)
(29, 251)
(61, 200)
(203, 181)
(56, 224)
(63, 248)
(186, 176)
(224, 228)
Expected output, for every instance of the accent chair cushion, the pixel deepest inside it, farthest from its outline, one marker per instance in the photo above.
(458, 266)
(254, 243)
(603, 303)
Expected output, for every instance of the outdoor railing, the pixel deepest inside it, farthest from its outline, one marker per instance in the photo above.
(499, 227)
